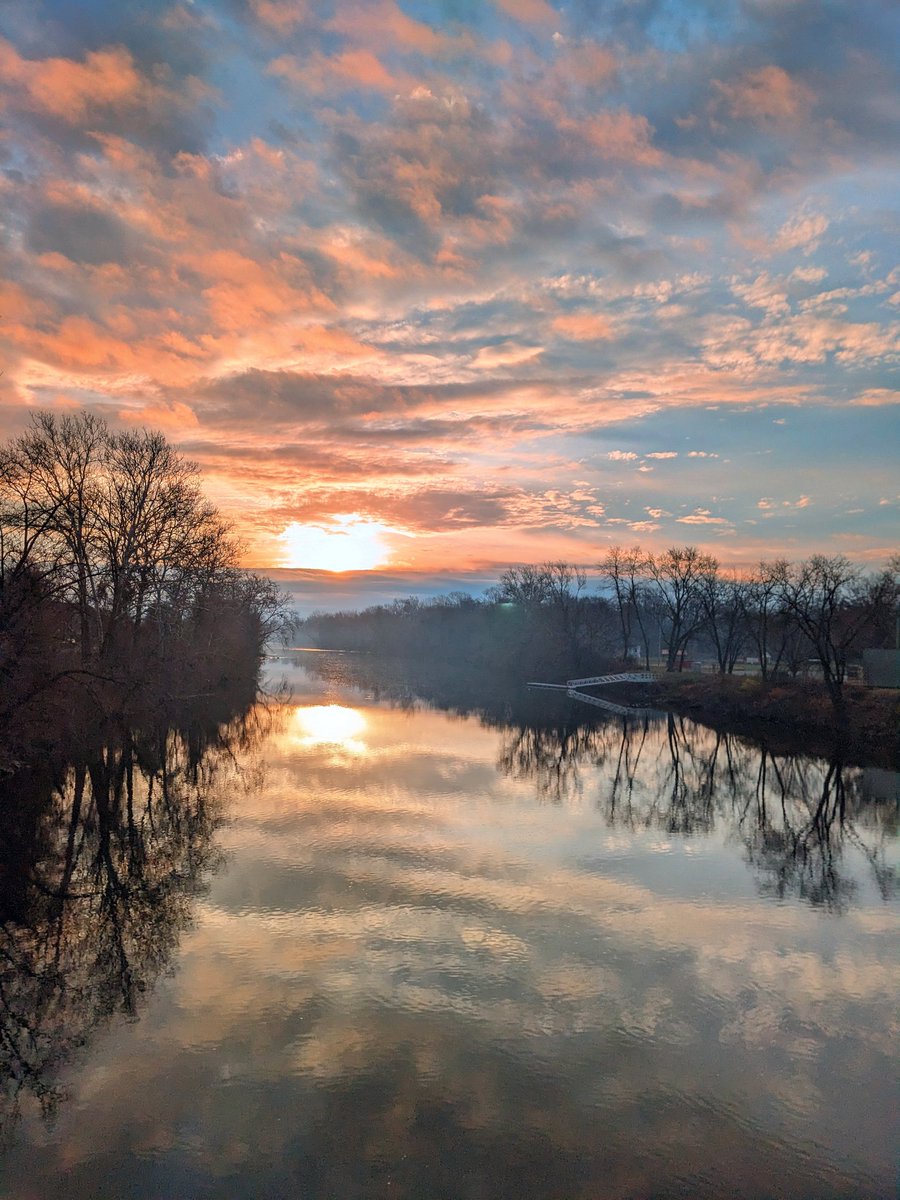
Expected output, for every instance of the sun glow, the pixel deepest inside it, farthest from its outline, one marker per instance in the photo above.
(347, 543)
(330, 725)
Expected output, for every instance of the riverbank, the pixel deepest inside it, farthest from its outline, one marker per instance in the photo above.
(786, 710)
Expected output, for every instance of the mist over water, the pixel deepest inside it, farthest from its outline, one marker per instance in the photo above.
(358, 944)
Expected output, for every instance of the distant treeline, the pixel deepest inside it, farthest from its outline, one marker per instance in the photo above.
(115, 574)
(542, 621)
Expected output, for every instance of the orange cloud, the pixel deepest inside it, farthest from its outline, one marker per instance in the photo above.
(243, 291)
(351, 69)
(583, 327)
(69, 90)
(385, 24)
(173, 416)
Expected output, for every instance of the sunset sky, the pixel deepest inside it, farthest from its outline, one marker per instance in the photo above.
(433, 286)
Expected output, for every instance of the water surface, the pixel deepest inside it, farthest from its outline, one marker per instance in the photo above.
(383, 950)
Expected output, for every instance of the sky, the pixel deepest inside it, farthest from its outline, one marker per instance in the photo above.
(431, 287)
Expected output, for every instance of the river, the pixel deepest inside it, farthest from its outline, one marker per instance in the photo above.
(367, 947)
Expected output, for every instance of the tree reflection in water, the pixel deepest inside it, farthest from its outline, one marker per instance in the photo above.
(103, 851)
(795, 814)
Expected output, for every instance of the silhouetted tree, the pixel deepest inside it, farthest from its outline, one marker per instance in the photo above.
(834, 606)
(678, 576)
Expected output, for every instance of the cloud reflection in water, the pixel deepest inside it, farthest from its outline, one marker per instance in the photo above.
(452, 960)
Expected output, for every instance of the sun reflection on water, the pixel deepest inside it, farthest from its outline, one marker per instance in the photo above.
(332, 725)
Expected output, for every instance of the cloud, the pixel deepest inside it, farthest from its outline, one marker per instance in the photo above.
(175, 416)
(280, 15)
(413, 248)
(352, 69)
(619, 135)
(82, 233)
(809, 274)
(69, 90)
(535, 12)
(876, 397)
(702, 516)
(768, 506)
(383, 23)
(802, 232)
(767, 94)
(583, 327)
(505, 354)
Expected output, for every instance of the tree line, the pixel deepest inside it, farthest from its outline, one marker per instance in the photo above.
(783, 615)
(648, 608)
(113, 567)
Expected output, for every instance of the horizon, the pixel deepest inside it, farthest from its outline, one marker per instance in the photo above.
(432, 289)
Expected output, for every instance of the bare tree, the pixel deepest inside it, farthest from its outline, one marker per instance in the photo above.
(833, 605)
(722, 602)
(762, 608)
(678, 575)
(115, 526)
(623, 567)
(528, 585)
(57, 466)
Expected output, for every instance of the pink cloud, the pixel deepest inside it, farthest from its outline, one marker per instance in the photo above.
(506, 354)
(175, 416)
(587, 64)
(68, 89)
(583, 327)
(533, 12)
(385, 24)
(802, 232)
(619, 134)
(767, 94)
(876, 397)
(242, 290)
(281, 15)
(351, 69)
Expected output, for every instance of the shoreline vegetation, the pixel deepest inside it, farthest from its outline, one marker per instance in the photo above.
(120, 593)
(120, 590)
(784, 711)
(777, 649)
(130, 648)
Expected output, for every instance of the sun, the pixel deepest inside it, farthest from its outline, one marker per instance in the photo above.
(332, 725)
(348, 542)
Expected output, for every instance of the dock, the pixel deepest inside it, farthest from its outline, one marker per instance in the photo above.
(572, 688)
